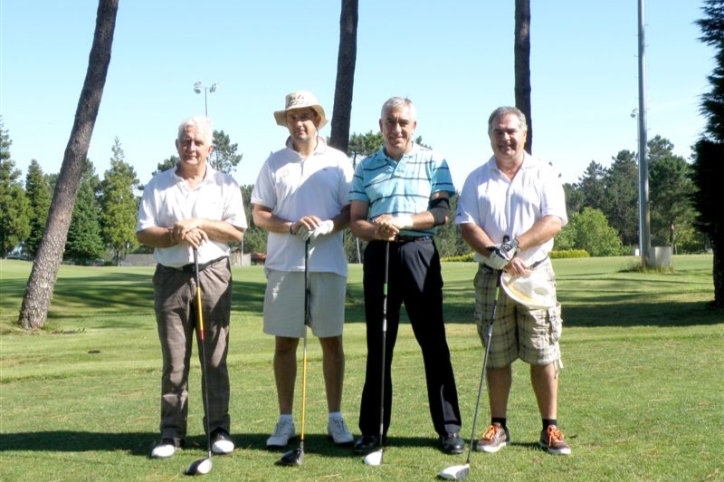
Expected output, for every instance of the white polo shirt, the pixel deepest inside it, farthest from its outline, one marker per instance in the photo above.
(294, 187)
(502, 206)
(168, 199)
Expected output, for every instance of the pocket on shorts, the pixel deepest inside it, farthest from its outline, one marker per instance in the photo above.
(556, 323)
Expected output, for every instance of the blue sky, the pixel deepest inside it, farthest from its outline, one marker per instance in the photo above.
(454, 59)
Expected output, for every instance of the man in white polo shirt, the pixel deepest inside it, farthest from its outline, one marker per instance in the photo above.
(510, 209)
(299, 195)
(192, 207)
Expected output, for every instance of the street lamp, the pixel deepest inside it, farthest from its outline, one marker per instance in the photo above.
(198, 87)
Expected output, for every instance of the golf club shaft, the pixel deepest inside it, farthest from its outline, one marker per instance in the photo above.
(384, 341)
(304, 348)
(488, 336)
(202, 348)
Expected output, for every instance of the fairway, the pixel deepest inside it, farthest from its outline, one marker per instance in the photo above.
(641, 392)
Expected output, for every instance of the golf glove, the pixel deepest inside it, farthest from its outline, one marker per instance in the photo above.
(501, 254)
(325, 228)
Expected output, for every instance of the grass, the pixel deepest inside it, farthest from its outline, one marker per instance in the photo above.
(640, 396)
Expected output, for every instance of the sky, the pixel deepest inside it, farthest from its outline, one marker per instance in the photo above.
(453, 59)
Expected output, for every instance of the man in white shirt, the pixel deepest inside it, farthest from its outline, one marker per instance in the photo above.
(301, 194)
(192, 207)
(510, 209)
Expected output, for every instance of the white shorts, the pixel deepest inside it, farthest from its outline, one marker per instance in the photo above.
(284, 303)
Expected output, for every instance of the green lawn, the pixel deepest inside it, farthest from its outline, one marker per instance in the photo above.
(641, 394)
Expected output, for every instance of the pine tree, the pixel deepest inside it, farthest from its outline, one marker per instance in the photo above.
(708, 169)
(14, 206)
(120, 205)
(85, 242)
(37, 189)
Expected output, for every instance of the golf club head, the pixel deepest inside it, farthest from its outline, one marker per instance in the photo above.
(455, 472)
(200, 467)
(292, 458)
(374, 458)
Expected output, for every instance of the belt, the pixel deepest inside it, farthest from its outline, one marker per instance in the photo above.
(190, 268)
(414, 239)
(531, 267)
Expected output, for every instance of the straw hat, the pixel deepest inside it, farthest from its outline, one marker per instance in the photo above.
(532, 290)
(300, 100)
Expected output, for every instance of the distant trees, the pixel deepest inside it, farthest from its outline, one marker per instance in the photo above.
(614, 192)
(85, 237)
(589, 231)
(224, 158)
(14, 206)
(119, 205)
(37, 190)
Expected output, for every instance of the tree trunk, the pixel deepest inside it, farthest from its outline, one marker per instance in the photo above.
(346, 61)
(522, 65)
(39, 290)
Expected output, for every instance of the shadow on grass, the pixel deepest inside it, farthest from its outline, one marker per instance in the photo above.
(587, 302)
(141, 443)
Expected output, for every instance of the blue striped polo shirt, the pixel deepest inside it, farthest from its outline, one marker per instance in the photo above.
(399, 188)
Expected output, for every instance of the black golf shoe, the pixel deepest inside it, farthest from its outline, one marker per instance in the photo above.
(452, 443)
(366, 444)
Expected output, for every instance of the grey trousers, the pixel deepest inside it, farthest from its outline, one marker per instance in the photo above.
(176, 316)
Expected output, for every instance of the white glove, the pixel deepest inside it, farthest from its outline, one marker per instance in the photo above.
(502, 254)
(495, 262)
(325, 228)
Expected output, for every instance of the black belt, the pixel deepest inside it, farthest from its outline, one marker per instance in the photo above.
(190, 268)
(414, 239)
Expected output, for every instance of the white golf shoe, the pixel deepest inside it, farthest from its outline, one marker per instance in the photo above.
(283, 432)
(338, 431)
(165, 449)
(221, 444)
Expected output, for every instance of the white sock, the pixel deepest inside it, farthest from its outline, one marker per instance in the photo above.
(286, 416)
(335, 415)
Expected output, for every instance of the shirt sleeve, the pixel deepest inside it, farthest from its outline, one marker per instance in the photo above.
(358, 192)
(146, 209)
(468, 202)
(234, 213)
(554, 198)
(263, 192)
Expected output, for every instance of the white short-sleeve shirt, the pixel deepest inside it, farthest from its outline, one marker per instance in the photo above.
(501, 206)
(167, 199)
(294, 187)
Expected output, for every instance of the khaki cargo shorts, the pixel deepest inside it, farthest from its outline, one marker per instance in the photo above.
(518, 332)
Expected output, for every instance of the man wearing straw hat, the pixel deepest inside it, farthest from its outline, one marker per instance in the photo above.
(510, 209)
(300, 195)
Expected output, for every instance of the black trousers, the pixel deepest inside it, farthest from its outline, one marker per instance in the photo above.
(415, 279)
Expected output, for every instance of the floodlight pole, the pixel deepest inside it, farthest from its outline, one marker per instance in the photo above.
(198, 87)
(644, 216)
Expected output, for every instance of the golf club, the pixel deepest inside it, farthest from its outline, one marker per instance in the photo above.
(296, 457)
(375, 458)
(201, 466)
(460, 472)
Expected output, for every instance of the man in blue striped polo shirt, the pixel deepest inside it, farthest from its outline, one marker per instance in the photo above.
(398, 197)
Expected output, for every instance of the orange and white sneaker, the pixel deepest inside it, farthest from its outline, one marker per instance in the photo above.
(552, 441)
(494, 438)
